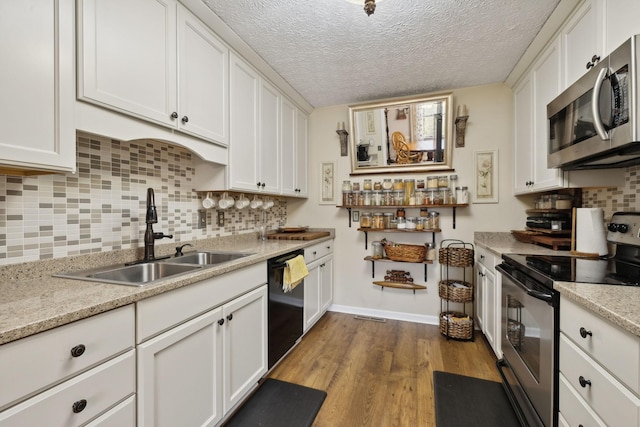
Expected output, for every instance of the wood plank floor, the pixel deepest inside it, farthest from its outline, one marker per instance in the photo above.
(380, 374)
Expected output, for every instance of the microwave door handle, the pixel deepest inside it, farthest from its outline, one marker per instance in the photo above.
(595, 105)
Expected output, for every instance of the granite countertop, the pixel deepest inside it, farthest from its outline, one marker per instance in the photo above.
(32, 301)
(618, 304)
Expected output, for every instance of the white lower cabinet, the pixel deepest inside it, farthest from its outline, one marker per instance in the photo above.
(122, 415)
(318, 290)
(489, 299)
(206, 352)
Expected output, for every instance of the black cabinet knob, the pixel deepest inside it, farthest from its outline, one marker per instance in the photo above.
(263, 184)
(584, 382)
(78, 350)
(584, 333)
(221, 322)
(230, 317)
(174, 115)
(258, 184)
(79, 406)
(185, 119)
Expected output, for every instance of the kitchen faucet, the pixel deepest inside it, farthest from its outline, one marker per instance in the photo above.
(149, 236)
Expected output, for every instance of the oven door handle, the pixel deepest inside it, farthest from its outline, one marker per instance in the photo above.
(543, 296)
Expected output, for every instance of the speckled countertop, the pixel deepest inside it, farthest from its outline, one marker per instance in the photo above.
(618, 304)
(32, 301)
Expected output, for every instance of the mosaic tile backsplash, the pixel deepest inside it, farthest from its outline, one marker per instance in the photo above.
(611, 200)
(102, 207)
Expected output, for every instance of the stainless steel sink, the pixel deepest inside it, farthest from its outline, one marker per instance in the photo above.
(145, 273)
(133, 275)
(206, 258)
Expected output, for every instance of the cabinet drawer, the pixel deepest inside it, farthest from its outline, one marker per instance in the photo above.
(614, 348)
(34, 363)
(162, 312)
(123, 415)
(100, 389)
(574, 409)
(613, 402)
(318, 250)
(486, 258)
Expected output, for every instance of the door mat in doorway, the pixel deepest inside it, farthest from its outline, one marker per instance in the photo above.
(462, 400)
(278, 403)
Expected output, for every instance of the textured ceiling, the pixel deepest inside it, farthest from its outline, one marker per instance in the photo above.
(332, 53)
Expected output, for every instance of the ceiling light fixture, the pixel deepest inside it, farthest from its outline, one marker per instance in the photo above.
(369, 5)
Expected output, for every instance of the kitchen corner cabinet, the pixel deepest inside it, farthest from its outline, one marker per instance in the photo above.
(37, 81)
(489, 299)
(318, 285)
(72, 374)
(201, 348)
(181, 83)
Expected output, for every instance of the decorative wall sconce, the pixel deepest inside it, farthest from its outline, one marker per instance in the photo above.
(344, 139)
(461, 124)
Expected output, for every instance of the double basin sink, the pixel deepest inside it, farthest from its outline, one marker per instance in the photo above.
(141, 274)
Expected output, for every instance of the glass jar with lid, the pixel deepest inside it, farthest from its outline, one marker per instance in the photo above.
(377, 250)
(400, 213)
(347, 198)
(435, 219)
(376, 198)
(432, 182)
(443, 181)
(346, 186)
(436, 198)
(419, 224)
(355, 186)
(387, 197)
(462, 195)
(411, 223)
(367, 185)
(366, 197)
(420, 196)
(398, 197)
(388, 217)
(420, 184)
(387, 184)
(365, 220)
(409, 187)
(377, 220)
(402, 223)
(358, 198)
(377, 185)
(398, 184)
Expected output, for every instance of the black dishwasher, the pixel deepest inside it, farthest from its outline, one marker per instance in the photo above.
(285, 309)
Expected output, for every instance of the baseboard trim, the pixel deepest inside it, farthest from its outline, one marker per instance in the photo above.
(394, 315)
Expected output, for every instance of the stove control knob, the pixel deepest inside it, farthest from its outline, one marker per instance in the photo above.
(613, 227)
(623, 228)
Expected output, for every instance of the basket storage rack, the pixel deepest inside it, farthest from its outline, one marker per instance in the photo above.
(456, 289)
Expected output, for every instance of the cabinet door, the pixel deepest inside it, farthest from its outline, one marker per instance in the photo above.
(269, 138)
(302, 140)
(312, 295)
(326, 283)
(490, 309)
(288, 139)
(127, 56)
(547, 73)
(180, 375)
(523, 172)
(580, 39)
(620, 22)
(480, 298)
(122, 415)
(37, 84)
(203, 80)
(243, 143)
(245, 345)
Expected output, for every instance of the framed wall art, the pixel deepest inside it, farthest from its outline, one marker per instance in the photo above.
(327, 183)
(485, 176)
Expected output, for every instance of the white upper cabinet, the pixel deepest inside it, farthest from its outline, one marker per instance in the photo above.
(620, 20)
(302, 141)
(167, 67)
(37, 85)
(294, 150)
(269, 136)
(581, 41)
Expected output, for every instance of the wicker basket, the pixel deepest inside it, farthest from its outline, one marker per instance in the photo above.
(401, 252)
(515, 332)
(457, 325)
(456, 257)
(448, 291)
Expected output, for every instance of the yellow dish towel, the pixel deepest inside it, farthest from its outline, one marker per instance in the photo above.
(294, 272)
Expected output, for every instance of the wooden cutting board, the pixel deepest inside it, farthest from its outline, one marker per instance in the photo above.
(305, 235)
(554, 242)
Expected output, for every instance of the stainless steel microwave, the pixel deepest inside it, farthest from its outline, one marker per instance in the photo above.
(593, 124)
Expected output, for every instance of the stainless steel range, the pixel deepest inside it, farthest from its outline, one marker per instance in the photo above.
(531, 308)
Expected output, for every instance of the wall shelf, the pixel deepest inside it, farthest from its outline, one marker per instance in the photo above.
(366, 232)
(374, 260)
(349, 208)
(398, 285)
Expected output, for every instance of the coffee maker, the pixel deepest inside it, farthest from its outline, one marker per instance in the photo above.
(363, 152)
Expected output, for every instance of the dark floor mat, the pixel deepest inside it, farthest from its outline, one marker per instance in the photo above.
(462, 400)
(277, 403)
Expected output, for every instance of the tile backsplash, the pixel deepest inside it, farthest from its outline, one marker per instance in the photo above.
(613, 200)
(102, 207)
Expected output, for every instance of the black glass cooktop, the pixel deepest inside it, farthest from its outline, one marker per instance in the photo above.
(569, 269)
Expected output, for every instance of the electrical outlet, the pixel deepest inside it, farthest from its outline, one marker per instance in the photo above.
(202, 218)
(220, 218)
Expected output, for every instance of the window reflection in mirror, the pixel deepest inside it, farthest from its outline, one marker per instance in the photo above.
(404, 135)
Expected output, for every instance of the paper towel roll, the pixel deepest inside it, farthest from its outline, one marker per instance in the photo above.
(590, 235)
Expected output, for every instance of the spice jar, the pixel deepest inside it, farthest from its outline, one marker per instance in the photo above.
(358, 198)
(346, 186)
(398, 197)
(435, 219)
(365, 220)
(431, 252)
(377, 249)
(444, 195)
(420, 196)
(436, 197)
(388, 217)
(378, 220)
(366, 185)
(387, 197)
(376, 198)
(443, 181)
(400, 213)
(387, 184)
(420, 184)
(377, 185)
(419, 224)
(393, 224)
(411, 223)
(432, 182)
(409, 187)
(366, 197)
(462, 195)
(355, 186)
(347, 198)
(398, 184)
(402, 223)
(424, 212)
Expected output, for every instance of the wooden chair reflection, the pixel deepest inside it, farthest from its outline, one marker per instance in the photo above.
(404, 154)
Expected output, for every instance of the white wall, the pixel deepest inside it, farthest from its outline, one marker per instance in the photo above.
(489, 127)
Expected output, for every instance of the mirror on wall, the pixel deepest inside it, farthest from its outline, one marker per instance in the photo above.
(402, 135)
